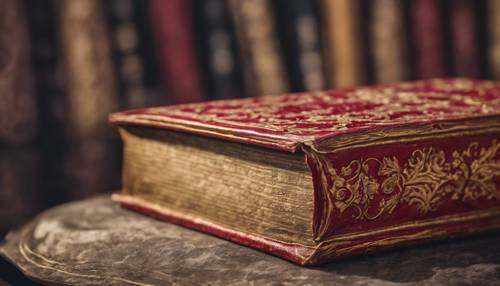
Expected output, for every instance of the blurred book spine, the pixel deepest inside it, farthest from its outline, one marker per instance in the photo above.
(172, 25)
(127, 58)
(390, 59)
(263, 67)
(493, 8)
(344, 42)
(18, 119)
(428, 38)
(465, 57)
(298, 26)
(91, 94)
(18, 116)
(19, 178)
(218, 49)
(156, 94)
(90, 78)
(50, 97)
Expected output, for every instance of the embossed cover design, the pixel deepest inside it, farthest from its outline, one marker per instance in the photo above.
(391, 164)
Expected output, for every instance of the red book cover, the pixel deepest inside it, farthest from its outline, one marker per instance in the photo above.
(464, 38)
(391, 164)
(428, 38)
(172, 24)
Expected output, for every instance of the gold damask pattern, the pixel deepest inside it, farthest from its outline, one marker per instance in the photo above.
(306, 116)
(369, 188)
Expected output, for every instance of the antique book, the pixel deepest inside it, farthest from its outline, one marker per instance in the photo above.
(128, 61)
(428, 39)
(344, 42)
(90, 95)
(299, 28)
(311, 177)
(20, 176)
(90, 76)
(152, 83)
(219, 51)
(173, 32)
(18, 113)
(18, 119)
(493, 28)
(464, 38)
(388, 41)
(45, 56)
(263, 67)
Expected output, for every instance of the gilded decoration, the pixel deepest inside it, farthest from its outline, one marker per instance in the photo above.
(308, 115)
(371, 187)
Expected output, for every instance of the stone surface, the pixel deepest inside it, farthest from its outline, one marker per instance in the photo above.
(96, 242)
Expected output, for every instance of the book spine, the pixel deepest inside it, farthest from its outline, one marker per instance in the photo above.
(19, 197)
(156, 94)
(493, 7)
(219, 49)
(388, 41)
(344, 42)
(18, 112)
(428, 38)
(465, 57)
(406, 191)
(90, 78)
(91, 167)
(19, 184)
(298, 25)
(264, 72)
(172, 24)
(91, 95)
(127, 58)
(50, 97)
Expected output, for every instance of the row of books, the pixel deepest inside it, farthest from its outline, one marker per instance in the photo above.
(223, 49)
(65, 65)
(58, 83)
(180, 51)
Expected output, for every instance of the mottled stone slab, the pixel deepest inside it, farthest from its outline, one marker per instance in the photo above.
(95, 242)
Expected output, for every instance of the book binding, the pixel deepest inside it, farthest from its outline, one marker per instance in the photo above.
(391, 165)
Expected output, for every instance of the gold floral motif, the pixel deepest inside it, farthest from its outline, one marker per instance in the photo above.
(306, 114)
(371, 187)
(329, 121)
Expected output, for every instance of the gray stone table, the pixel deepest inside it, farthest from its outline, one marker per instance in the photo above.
(95, 242)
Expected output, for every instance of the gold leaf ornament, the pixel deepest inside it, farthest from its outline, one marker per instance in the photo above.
(422, 182)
